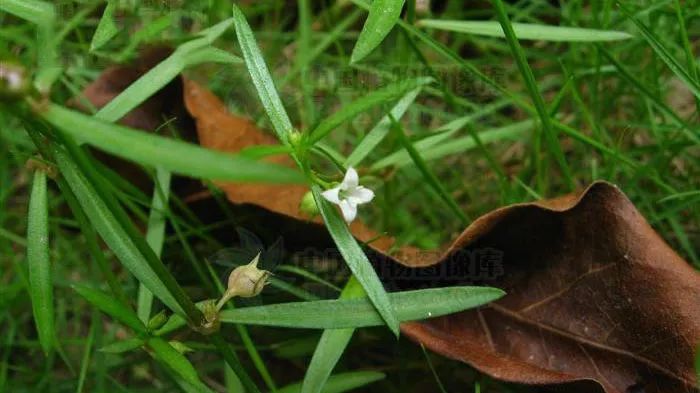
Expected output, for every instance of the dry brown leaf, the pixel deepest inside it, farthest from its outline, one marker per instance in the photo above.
(595, 298)
(596, 301)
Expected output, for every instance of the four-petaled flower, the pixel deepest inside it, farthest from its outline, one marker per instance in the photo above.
(349, 194)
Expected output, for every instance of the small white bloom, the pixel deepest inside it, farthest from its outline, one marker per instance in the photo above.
(349, 194)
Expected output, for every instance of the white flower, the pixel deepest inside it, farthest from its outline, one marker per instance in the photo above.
(349, 194)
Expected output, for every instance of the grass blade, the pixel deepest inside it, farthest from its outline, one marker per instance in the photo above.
(357, 261)
(162, 350)
(387, 94)
(526, 31)
(158, 151)
(356, 313)
(40, 281)
(529, 77)
(340, 383)
(106, 29)
(330, 347)
(261, 77)
(381, 129)
(664, 54)
(428, 175)
(383, 15)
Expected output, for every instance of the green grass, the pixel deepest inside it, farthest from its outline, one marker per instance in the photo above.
(447, 115)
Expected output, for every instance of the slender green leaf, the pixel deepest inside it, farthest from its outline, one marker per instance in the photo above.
(85, 361)
(174, 155)
(431, 147)
(122, 346)
(381, 129)
(155, 235)
(162, 350)
(176, 361)
(111, 307)
(340, 383)
(355, 313)
(526, 31)
(109, 229)
(261, 77)
(106, 29)
(697, 366)
(383, 15)
(665, 54)
(40, 281)
(188, 54)
(330, 347)
(357, 261)
(386, 94)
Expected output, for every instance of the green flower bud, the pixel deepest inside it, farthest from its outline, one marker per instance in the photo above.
(180, 347)
(157, 321)
(308, 205)
(295, 138)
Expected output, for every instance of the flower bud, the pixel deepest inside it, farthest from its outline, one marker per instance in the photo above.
(308, 205)
(180, 347)
(157, 321)
(247, 280)
(295, 138)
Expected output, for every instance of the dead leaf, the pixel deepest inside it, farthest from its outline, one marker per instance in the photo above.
(595, 298)
(597, 301)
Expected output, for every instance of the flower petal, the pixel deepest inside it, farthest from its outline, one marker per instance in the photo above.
(349, 210)
(331, 195)
(359, 195)
(351, 180)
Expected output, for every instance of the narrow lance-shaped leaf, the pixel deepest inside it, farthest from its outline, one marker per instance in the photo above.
(155, 236)
(109, 229)
(153, 150)
(526, 31)
(432, 147)
(111, 307)
(339, 383)
(330, 347)
(355, 313)
(383, 15)
(106, 29)
(40, 281)
(261, 77)
(187, 54)
(357, 261)
(162, 350)
(386, 94)
(381, 129)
